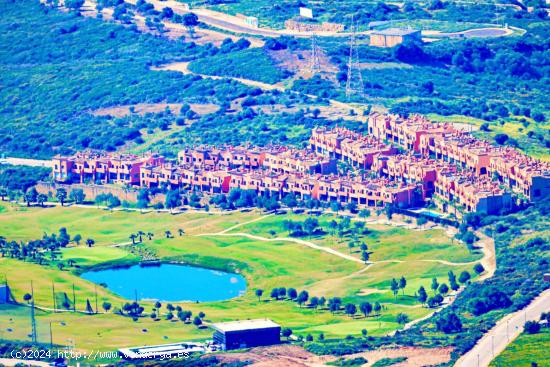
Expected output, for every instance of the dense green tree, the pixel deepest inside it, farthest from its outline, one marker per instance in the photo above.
(74, 5)
(197, 321)
(448, 323)
(31, 196)
(275, 293)
(77, 195)
(106, 306)
(435, 284)
(365, 308)
(365, 256)
(402, 318)
(531, 327)
(351, 309)
(422, 295)
(303, 296)
(403, 284)
(190, 20)
(61, 195)
(310, 225)
(292, 294)
(464, 277)
(478, 268)
(394, 286)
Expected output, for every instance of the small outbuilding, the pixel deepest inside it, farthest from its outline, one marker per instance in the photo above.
(246, 333)
(394, 36)
(4, 293)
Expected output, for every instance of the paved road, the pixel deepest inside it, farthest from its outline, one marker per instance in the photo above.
(504, 332)
(26, 162)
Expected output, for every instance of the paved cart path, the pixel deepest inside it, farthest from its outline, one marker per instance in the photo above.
(503, 333)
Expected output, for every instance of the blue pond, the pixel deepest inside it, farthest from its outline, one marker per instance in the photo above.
(170, 282)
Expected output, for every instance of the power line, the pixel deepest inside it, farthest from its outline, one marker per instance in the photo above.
(314, 64)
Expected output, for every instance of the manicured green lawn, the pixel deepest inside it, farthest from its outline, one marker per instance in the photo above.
(525, 350)
(265, 265)
(385, 242)
(104, 226)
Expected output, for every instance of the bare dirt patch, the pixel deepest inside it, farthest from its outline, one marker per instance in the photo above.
(298, 62)
(295, 356)
(367, 291)
(280, 356)
(416, 357)
(383, 65)
(144, 108)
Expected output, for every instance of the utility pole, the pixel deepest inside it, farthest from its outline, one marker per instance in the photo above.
(95, 291)
(74, 300)
(53, 294)
(33, 318)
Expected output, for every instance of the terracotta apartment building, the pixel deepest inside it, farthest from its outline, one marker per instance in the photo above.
(522, 174)
(442, 162)
(102, 167)
(358, 150)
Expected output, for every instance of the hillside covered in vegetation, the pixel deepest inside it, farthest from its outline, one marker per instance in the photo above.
(59, 67)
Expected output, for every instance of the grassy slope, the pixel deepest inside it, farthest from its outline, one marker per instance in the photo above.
(254, 64)
(105, 227)
(74, 65)
(265, 265)
(526, 349)
(384, 241)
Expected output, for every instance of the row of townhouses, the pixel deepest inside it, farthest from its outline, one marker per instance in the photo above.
(274, 171)
(442, 162)
(520, 173)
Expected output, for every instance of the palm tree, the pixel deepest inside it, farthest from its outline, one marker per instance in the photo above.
(181, 232)
(140, 234)
(90, 242)
(133, 238)
(71, 262)
(168, 234)
(150, 235)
